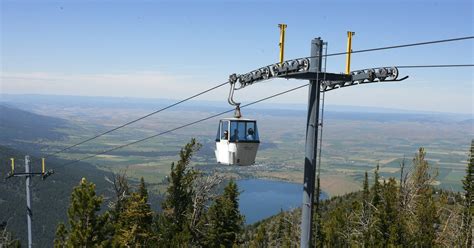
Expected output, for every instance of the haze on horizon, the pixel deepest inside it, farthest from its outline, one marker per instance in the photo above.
(160, 50)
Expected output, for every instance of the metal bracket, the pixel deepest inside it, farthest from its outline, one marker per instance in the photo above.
(232, 81)
(9, 175)
(47, 174)
(237, 112)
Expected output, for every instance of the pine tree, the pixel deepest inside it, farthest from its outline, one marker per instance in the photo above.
(404, 215)
(290, 231)
(6, 239)
(365, 219)
(427, 221)
(134, 226)
(278, 234)
(234, 220)
(388, 214)
(260, 240)
(468, 209)
(425, 210)
(376, 225)
(215, 220)
(86, 227)
(61, 236)
(365, 190)
(142, 190)
(173, 224)
(335, 227)
(318, 233)
(225, 223)
(376, 188)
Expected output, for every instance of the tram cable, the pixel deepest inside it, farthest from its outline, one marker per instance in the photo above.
(279, 69)
(183, 126)
(135, 120)
(399, 46)
(222, 84)
(211, 117)
(390, 47)
(433, 66)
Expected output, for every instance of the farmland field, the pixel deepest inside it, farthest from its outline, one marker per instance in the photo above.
(352, 142)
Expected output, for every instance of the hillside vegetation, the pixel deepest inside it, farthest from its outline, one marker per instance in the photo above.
(192, 213)
(19, 128)
(404, 212)
(49, 198)
(354, 140)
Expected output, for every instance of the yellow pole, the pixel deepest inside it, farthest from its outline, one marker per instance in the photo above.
(42, 166)
(282, 41)
(13, 165)
(349, 51)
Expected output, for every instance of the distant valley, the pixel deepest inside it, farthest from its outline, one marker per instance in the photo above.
(353, 142)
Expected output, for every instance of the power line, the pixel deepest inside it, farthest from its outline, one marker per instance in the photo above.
(135, 120)
(220, 85)
(404, 45)
(182, 126)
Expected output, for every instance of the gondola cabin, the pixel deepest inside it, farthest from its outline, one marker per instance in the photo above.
(237, 141)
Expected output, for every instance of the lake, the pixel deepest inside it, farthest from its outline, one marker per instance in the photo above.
(261, 198)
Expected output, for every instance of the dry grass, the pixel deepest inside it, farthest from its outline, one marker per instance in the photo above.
(333, 185)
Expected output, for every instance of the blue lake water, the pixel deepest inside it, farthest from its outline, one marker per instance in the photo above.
(262, 198)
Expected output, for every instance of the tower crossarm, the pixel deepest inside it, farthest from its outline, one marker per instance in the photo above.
(302, 69)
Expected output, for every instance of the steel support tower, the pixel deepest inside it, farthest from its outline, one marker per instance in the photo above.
(309, 68)
(311, 144)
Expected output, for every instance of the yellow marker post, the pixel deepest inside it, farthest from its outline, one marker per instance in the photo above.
(13, 165)
(282, 41)
(42, 166)
(349, 51)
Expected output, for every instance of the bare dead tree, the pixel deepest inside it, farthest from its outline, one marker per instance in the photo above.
(414, 184)
(361, 223)
(450, 233)
(204, 191)
(294, 221)
(120, 187)
(6, 239)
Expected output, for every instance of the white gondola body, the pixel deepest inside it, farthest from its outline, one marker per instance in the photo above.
(240, 147)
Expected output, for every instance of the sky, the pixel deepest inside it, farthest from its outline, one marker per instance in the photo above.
(173, 49)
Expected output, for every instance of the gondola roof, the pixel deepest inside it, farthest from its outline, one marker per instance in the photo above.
(236, 119)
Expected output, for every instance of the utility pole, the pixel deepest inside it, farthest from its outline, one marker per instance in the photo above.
(28, 175)
(29, 214)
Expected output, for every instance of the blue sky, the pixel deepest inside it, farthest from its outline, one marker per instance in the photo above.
(171, 49)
